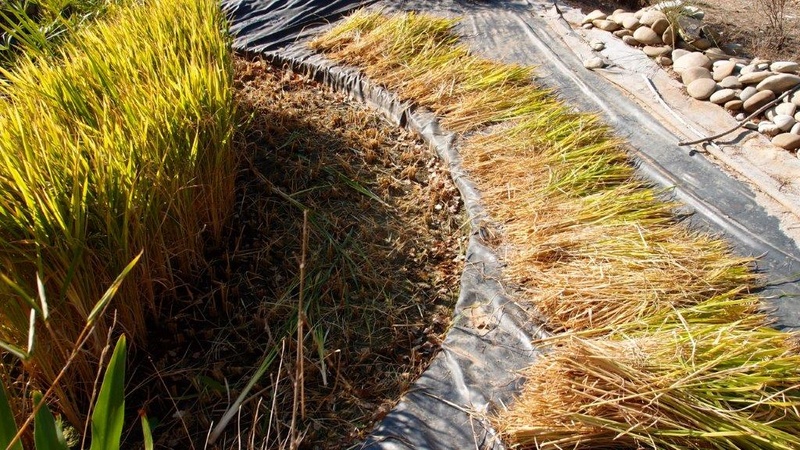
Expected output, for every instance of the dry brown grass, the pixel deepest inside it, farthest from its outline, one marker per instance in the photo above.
(589, 245)
(684, 380)
(430, 68)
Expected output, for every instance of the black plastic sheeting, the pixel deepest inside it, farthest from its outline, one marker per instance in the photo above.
(490, 341)
(264, 25)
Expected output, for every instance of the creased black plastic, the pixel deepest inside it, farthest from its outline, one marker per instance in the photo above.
(491, 336)
(266, 25)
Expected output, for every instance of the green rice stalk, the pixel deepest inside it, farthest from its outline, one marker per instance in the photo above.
(32, 29)
(119, 144)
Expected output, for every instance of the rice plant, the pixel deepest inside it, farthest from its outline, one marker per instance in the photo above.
(589, 244)
(36, 28)
(683, 380)
(119, 143)
(419, 57)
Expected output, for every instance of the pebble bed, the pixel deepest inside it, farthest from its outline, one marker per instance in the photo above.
(674, 35)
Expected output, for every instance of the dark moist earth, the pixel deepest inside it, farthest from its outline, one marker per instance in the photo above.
(383, 261)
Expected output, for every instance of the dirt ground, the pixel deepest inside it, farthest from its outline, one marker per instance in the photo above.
(382, 258)
(747, 22)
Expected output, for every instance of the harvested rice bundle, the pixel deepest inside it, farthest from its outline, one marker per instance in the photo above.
(589, 244)
(685, 361)
(687, 382)
(419, 57)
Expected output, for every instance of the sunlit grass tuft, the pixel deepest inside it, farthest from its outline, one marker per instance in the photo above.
(681, 380)
(119, 144)
(419, 57)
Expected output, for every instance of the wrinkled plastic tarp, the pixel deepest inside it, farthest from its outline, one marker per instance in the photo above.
(476, 371)
(267, 25)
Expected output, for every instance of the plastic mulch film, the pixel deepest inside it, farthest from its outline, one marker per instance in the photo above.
(491, 336)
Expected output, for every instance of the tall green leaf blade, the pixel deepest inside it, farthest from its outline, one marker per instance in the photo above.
(109, 294)
(109, 412)
(8, 428)
(14, 350)
(46, 434)
(147, 433)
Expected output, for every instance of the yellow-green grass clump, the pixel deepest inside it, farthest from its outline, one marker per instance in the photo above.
(599, 254)
(589, 244)
(38, 27)
(120, 144)
(685, 380)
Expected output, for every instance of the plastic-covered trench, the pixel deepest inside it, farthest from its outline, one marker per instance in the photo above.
(491, 337)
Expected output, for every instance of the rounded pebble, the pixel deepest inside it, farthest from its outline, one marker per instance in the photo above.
(669, 36)
(694, 59)
(647, 36)
(788, 141)
(702, 88)
(769, 114)
(784, 122)
(723, 70)
(594, 15)
(758, 100)
(731, 82)
(652, 16)
(754, 77)
(594, 63)
(694, 73)
(630, 40)
(660, 26)
(606, 25)
(779, 83)
(631, 23)
(768, 128)
(748, 92)
(788, 109)
(664, 61)
(723, 96)
(734, 105)
(678, 52)
(785, 67)
(653, 52)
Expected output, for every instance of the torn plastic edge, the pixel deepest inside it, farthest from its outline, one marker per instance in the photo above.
(491, 335)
